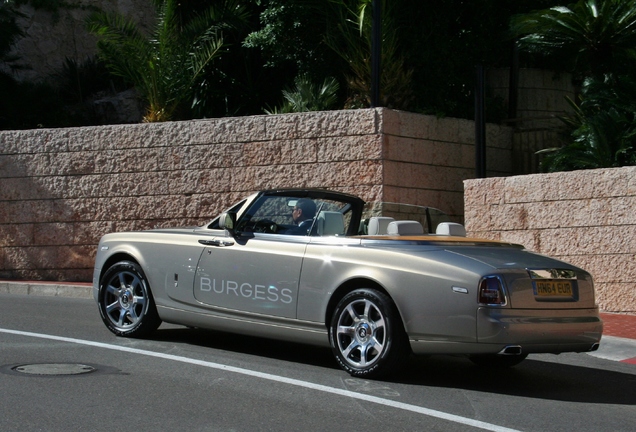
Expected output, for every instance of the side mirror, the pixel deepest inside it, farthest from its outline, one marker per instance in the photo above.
(227, 221)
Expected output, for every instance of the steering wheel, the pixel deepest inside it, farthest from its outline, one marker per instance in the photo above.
(264, 226)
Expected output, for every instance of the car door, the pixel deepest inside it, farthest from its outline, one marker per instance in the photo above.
(255, 272)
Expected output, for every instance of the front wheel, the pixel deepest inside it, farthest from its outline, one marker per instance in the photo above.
(366, 334)
(125, 302)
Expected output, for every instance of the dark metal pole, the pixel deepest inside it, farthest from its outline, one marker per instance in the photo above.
(513, 87)
(480, 124)
(376, 53)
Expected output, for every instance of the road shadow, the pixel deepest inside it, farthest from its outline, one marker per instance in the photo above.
(533, 378)
(260, 347)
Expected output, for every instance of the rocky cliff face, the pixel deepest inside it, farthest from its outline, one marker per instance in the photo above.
(51, 37)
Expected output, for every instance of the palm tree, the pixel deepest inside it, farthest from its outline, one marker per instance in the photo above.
(167, 65)
(351, 40)
(598, 37)
(603, 128)
(306, 96)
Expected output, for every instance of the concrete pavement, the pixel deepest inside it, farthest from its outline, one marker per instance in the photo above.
(619, 338)
(618, 343)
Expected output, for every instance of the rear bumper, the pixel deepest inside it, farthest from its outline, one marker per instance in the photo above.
(524, 332)
(540, 331)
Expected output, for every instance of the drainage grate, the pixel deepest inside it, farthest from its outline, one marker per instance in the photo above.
(54, 369)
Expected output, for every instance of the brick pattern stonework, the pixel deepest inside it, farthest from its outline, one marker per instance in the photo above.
(61, 189)
(542, 98)
(587, 218)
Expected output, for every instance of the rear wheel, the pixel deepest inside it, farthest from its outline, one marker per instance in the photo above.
(125, 301)
(366, 334)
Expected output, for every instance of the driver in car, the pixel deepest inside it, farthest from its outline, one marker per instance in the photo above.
(303, 215)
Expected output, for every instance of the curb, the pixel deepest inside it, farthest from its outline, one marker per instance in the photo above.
(49, 289)
(617, 349)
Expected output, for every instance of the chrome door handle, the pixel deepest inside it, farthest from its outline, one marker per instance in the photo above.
(218, 243)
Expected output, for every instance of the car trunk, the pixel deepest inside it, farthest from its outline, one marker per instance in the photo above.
(546, 283)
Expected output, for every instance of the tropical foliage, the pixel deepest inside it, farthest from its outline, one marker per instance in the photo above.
(598, 38)
(603, 128)
(351, 39)
(167, 66)
(430, 49)
(290, 32)
(307, 96)
(438, 41)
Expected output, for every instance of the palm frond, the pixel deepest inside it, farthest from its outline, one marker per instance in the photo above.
(595, 35)
(166, 65)
(603, 126)
(306, 96)
(355, 48)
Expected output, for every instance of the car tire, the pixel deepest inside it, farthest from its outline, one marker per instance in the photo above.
(366, 334)
(497, 361)
(125, 301)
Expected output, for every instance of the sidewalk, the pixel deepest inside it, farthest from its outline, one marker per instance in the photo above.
(619, 338)
(618, 343)
(619, 325)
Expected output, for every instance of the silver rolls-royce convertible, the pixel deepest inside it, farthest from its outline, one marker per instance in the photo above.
(376, 282)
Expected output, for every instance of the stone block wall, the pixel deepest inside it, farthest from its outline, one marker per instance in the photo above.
(541, 99)
(426, 159)
(584, 217)
(542, 95)
(61, 189)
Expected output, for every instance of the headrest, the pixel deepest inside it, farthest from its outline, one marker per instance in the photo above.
(378, 225)
(330, 223)
(405, 228)
(451, 229)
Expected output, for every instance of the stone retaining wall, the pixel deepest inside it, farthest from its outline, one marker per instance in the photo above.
(587, 218)
(542, 98)
(61, 189)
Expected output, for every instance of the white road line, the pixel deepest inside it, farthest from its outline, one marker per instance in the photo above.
(275, 378)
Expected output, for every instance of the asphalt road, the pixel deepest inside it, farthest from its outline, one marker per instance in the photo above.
(185, 379)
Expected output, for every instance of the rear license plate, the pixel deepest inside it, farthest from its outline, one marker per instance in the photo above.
(550, 288)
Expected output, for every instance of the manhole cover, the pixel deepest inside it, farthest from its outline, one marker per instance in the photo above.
(54, 369)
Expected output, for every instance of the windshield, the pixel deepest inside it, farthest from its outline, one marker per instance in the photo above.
(293, 215)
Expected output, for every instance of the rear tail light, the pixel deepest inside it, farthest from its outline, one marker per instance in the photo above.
(491, 291)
